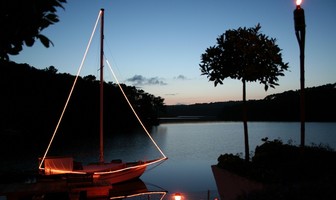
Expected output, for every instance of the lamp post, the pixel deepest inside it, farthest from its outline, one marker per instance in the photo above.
(300, 32)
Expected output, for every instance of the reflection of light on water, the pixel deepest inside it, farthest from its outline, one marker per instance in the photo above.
(206, 195)
(140, 194)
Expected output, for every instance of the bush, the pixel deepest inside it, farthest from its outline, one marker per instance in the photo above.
(288, 171)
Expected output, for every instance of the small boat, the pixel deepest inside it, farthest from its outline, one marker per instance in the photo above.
(111, 172)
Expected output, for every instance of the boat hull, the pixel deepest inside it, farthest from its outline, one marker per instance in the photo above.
(114, 172)
(119, 176)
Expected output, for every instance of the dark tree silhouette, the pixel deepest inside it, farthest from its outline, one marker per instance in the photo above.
(147, 105)
(51, 70)
(91, 78)
(31, 101)
(247, 55)
(22, 23)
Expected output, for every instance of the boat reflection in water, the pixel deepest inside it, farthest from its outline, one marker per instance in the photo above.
(78, 190)
(137, 190)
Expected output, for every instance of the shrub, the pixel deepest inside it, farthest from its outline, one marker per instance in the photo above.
(278, 163)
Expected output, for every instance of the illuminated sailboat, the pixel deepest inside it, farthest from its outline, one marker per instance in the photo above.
(112, 172)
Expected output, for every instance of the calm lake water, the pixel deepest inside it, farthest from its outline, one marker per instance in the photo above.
(193, 147)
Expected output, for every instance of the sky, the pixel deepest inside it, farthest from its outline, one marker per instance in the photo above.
(156, 45)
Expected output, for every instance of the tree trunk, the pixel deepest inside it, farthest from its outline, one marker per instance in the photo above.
(246, 139)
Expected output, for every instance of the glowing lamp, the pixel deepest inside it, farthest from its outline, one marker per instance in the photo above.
(300, 32)
(177, 196)
(299, 17)
(298, 2)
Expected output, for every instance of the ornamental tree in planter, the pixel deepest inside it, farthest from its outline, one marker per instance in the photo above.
(247, 55)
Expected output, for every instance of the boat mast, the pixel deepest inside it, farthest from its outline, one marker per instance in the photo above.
(101, 125)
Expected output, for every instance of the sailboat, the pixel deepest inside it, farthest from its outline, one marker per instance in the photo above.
(108, 172)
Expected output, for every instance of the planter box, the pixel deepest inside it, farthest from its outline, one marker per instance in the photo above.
(230, 185)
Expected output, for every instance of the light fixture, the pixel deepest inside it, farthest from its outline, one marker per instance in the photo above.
(177, 196)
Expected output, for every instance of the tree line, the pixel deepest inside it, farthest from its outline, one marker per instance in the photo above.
(320, 107)
(32, 101)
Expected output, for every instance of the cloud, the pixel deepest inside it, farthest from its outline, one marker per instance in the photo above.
(141, 80)
(171, 94)
(181, 77)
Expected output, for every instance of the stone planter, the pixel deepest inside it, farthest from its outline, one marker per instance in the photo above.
(230, 185)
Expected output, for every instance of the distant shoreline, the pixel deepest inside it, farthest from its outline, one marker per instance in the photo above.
(191, 119)
(182, 119)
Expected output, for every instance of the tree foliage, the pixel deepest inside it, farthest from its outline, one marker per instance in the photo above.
(32, 99)
(22, 23)
(246, 54)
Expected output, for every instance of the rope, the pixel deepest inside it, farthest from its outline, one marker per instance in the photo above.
(135, 113)
(155, 166)
(71, 91)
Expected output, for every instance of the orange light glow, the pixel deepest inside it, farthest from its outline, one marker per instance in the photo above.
(177, 196)
(298, 2)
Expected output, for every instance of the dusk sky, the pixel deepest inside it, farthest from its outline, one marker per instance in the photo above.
(156, 45)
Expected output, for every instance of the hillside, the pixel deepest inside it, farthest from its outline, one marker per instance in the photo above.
(32, 101)
(320, 107)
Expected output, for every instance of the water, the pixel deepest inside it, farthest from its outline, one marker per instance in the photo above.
(193, 147)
